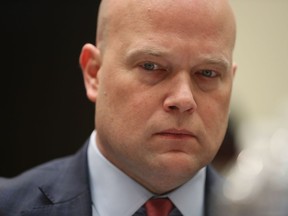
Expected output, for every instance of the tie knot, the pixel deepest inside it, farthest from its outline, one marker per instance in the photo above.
(158, 207)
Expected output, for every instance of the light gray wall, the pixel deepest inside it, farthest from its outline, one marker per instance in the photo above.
(261, 82)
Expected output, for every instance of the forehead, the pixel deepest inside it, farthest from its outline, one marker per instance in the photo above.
(186, 23)
(181, 16)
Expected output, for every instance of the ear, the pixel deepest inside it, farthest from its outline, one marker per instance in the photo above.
(234, 69)
(90, 63)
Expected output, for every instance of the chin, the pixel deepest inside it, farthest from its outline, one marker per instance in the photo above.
(179, 164)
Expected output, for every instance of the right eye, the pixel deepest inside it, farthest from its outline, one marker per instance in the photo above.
(150, 66)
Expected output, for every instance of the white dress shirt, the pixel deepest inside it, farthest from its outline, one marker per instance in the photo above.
(115, 193)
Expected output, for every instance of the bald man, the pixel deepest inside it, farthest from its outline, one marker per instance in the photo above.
(161, 77)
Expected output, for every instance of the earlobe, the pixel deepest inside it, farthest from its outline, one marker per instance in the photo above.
(90, 63)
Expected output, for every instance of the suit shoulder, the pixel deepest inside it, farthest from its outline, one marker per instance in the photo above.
(46, 186)
(26, 185)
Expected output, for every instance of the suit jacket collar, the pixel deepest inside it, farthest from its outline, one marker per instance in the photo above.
(213, 186)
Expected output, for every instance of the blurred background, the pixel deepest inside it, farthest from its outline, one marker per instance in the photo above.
(45, 113)
(261, 90)
(257, 178)
(260, 96)
(44, 110)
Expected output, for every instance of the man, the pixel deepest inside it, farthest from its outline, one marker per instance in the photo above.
(161, 77)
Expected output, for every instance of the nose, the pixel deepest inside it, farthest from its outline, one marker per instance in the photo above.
(180, 97)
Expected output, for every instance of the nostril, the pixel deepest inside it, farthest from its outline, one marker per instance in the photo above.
(172, 107)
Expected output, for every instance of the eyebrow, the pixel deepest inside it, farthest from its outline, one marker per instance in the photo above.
(145, 52)
(210, 60)
(217, 61)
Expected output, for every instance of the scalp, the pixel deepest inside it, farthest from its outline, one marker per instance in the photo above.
(114, 15)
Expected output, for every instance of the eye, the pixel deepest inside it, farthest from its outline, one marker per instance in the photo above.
(208, 73)
(150, 66)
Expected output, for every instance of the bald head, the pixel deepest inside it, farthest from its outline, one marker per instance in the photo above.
(113, 15)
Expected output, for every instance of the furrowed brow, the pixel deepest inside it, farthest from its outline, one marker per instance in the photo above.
(134, 54)
(222, 62)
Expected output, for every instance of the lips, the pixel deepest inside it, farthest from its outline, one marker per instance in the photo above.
(176, 133)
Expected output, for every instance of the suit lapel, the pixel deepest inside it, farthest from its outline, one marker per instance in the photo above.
(66, 189)
(78, 206)
(213, 186)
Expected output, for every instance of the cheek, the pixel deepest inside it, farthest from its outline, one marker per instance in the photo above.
(215, 116)
(125, 102)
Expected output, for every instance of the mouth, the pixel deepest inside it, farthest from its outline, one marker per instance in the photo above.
(176, 134)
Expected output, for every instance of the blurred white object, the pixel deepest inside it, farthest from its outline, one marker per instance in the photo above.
(258, 183)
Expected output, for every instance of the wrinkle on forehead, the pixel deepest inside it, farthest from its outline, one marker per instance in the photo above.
(114, 15)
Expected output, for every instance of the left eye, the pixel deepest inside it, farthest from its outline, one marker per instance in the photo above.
(208, 73)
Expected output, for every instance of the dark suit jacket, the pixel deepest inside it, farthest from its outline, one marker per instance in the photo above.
(61, 188)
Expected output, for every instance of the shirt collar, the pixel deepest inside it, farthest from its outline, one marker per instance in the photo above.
(189, 198)
(110, 185)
